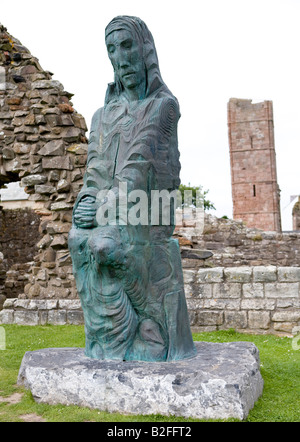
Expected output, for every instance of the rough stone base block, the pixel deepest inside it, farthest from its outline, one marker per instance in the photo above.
(222, 381)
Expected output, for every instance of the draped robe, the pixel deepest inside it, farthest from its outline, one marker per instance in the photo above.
(129, 278)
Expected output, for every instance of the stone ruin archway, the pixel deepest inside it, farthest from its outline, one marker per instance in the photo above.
(43, 145)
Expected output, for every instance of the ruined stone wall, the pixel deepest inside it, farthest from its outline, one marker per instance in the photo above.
(255, 191)
(19, 234)
(43, 145)
(233, 244)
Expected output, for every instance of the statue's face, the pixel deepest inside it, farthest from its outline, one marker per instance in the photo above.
(126, 56)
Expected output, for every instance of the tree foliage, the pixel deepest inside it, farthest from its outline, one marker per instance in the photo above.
(198, 197)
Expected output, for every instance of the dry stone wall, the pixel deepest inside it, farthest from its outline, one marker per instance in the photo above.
(19, 234)
(256, 299)
(43, 145)
(233, 244)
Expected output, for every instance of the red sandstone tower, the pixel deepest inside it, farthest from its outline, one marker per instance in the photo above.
(255, 191)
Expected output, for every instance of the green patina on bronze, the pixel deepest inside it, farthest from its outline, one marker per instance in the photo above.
(129, 278)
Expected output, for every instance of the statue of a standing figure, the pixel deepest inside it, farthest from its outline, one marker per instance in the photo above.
(129, 275)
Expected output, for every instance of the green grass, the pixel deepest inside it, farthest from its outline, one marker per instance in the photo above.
(280, 368)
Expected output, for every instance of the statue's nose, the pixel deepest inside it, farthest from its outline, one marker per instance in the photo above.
(123, 64)
(122, 59)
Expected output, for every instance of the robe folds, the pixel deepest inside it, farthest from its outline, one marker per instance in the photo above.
(129, 277)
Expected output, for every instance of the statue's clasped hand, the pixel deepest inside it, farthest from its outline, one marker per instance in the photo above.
(85, 213)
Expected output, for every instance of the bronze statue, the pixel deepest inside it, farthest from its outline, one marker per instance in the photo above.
(129, 274)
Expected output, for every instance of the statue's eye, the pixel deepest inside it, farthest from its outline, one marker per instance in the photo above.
(111, 49)
(127, 44)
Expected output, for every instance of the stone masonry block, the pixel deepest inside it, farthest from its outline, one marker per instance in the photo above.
(188, 276)
(258, 304)
(195, 303)
(69, 304)
(264, 274)
(26, 317)
(282, 290)
(188, 290)
(210, 275)
(59, 162)
(255, 290)
(288, 302)
(205, 290)
(288, 274)
(21, 303)
(235, 319)
(57, 317)
(284, 327)
(9, 303)
(238, 274)
(192, 317)
(227, 290)
(221, 304)
(286, 316)
(259, 320)
(43, 317)
(45, 304)
(7, 316)
(75, 317)
(210, 318)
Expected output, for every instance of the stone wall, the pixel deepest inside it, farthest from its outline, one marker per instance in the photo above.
(254, 299)
(248, 299)
(43, 145)
(233, 244)
(41, 312)
(19, 234)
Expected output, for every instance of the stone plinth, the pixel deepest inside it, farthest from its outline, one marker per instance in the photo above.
(222, 381)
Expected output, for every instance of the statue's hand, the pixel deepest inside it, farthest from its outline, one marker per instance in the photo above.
(85, 213)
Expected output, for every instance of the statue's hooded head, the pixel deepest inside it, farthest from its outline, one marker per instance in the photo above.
(144, 39)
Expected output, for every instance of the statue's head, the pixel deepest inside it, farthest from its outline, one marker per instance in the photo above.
(132, 52)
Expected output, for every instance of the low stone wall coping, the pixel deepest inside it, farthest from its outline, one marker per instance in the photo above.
(248, 299)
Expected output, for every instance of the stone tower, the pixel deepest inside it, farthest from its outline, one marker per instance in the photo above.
(255, 191)
(296, 215)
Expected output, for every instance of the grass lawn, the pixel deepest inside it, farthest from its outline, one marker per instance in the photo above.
(280, 368)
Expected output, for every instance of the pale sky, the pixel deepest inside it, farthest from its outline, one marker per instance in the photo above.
(209, 51)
